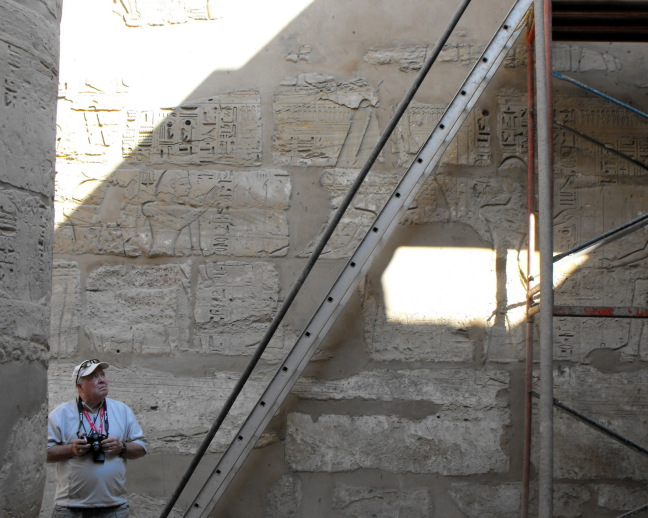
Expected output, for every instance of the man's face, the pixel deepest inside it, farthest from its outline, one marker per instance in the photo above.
(94, 387)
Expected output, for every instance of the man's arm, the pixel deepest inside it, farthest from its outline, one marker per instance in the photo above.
(132, 450)
(60, 452)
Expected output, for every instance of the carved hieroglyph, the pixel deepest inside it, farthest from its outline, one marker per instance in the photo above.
(98, 127)
(136, 13)
(320, 122)
(235, 303)
(224, 129)
(66, 309)
(153, 309)
(471, 146)
(175, 213)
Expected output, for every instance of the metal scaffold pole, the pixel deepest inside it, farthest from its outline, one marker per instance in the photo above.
(545, 201)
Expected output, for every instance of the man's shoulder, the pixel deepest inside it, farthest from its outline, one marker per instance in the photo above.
(65, 407)
(117, 405)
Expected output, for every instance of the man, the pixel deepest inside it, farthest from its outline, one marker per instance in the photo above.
(90, 438)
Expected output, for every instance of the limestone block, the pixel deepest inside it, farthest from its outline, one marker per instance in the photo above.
(448, 387)
(487, 501)
(284, 498)
(234, 305)
(137, 13)
(174, 411)
(364, 208)
(612, 399)
(66, 309)
(138, 309)
(365, 501)
(620, 498)
(471, 146)
(323, 123)
(419, 313)
(452, 443)
(175, 213)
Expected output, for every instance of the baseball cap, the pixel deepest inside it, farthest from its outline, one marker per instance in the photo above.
(86, 368)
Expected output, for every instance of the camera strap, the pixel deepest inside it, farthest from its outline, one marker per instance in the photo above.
(102, 415)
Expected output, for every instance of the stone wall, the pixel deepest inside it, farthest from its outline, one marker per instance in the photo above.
(29, 38)
(202, 148)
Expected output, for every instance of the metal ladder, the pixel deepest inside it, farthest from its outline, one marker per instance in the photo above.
(348, 280)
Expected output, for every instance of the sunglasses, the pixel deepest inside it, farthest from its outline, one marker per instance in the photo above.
(85, 364)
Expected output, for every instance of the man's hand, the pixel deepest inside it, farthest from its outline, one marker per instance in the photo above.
(112, 445)
(80, 447)
(60, 452)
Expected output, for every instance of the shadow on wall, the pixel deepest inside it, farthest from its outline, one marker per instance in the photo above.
(180, 229)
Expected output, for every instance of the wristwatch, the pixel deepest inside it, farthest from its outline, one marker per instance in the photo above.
(123, 450)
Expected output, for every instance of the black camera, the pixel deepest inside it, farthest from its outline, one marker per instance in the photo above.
(94, 439)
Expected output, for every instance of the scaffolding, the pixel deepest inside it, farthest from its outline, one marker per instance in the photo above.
(562, 20)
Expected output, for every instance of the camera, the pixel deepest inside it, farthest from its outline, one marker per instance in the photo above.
(94, 439)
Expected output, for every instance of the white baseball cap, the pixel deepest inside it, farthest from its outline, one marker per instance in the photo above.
(86, 368)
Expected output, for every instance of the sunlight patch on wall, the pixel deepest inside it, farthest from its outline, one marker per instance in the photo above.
(163, 63)
(439, 285)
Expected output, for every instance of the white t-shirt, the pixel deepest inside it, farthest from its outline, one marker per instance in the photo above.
(81, 482)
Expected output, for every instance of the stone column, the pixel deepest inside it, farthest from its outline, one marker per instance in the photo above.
(29, 43)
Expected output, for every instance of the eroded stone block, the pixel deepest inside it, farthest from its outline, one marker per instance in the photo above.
(320, 122)
(461, 387)
(235, 303)
(284, 498)
(453, 443)
(138, 309)
(367, 501)
(487, 501)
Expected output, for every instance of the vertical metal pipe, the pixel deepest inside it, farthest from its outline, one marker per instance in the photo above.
(545, 226)
(528, 380)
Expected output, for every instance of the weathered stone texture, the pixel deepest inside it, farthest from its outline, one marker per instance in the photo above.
(175, 213)
(66, 315)
(612, 399)
(450, 443)
(364, 501)
(235, 303)
(284, 498)
(29, 53)
(452, 387)
(22, 476)
(487, 501)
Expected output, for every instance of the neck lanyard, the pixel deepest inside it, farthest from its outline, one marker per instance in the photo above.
(102, 414)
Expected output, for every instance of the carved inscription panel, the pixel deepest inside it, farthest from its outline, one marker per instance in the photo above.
(98, 127)
(324, 123)
(176, 213)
